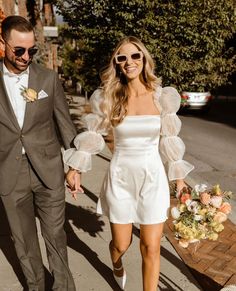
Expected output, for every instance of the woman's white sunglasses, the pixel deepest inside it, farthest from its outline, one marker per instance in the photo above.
(123, 58)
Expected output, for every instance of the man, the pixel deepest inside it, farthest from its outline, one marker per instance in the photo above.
(32, 106)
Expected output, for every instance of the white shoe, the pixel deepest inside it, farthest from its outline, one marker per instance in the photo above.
(121, 281)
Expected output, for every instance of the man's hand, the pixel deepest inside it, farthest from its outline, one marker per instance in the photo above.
(73, 179)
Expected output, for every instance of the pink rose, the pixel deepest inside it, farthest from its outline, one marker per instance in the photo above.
(225, 208)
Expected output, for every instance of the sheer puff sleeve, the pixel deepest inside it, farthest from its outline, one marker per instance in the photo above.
(172, 148)
(89, 142)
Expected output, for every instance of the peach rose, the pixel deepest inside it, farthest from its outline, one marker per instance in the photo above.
(205, 198)
(225, 208)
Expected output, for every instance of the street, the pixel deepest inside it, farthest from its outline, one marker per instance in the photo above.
(210, 141)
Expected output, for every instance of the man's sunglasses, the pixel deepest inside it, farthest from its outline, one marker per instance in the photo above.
(123, 58)
(19, 51)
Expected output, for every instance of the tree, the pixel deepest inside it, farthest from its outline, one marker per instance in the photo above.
(33, 9)
(188, 39)
(71, 64)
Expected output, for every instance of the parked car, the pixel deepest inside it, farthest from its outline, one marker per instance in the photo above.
(196, 100)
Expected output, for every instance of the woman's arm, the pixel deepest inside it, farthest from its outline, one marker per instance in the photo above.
(172, 148)
(87, 143)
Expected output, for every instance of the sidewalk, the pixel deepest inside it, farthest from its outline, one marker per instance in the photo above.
(89, 236)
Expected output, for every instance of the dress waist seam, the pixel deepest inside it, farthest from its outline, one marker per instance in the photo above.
(143, 148)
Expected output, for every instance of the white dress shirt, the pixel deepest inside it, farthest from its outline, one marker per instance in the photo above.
(15, 83)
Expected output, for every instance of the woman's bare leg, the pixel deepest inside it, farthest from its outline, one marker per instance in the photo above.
(150, 242)
(121, 239)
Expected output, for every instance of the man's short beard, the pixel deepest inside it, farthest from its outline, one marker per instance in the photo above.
(14, 64)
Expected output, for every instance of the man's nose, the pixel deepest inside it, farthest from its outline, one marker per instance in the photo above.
(25, 56)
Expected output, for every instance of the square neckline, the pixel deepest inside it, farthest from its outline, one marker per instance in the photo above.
(143, 115)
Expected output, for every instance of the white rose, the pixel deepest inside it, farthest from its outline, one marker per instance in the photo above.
(200, 188)
(175, 213)
(216, 201)
(198, 217)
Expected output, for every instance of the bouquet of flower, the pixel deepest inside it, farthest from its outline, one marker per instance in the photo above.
(200, 213)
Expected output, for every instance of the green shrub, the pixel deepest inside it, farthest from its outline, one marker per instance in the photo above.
(189, 40)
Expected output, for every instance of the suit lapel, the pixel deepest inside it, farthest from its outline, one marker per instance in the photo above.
(5, 101)
(34, 83)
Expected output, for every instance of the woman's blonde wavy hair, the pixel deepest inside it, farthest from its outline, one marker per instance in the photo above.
(114, 84)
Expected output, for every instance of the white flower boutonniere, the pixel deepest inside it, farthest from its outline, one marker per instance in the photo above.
(29, 95)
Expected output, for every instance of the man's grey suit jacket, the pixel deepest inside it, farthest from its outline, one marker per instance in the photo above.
(39, 134)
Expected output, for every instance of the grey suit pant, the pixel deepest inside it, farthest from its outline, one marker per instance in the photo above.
(28, 195)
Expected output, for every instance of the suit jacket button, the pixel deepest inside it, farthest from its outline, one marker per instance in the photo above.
(17, 158)
(22, 135)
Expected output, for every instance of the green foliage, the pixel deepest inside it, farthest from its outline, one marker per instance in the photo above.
(188, 39)
(71, 63)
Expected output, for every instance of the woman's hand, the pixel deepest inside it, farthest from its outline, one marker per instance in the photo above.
(180, 184)
(73, 179)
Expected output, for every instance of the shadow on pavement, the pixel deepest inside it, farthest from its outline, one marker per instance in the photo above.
(90, 222)
(178, 264)
(166, 282)
(205, 281)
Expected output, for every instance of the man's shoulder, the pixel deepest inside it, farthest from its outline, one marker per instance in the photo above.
(42, 69)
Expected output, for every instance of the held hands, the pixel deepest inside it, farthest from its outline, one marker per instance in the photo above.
(73, 179)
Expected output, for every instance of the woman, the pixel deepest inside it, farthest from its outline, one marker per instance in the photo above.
(139, 111)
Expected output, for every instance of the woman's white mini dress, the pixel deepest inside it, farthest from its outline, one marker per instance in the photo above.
(135, 189)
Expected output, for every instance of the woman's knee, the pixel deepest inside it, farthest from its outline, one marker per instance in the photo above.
(119, 247)
(150, 250)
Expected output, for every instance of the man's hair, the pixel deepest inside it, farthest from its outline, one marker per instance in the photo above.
(16, 22)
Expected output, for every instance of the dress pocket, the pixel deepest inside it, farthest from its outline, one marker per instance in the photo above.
(119, 176)
(120, 184)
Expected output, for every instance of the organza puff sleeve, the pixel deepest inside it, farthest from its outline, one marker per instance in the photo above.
(89, 142)
(172, 148)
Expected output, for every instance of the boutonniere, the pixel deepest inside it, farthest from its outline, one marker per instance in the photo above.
(29, 95)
